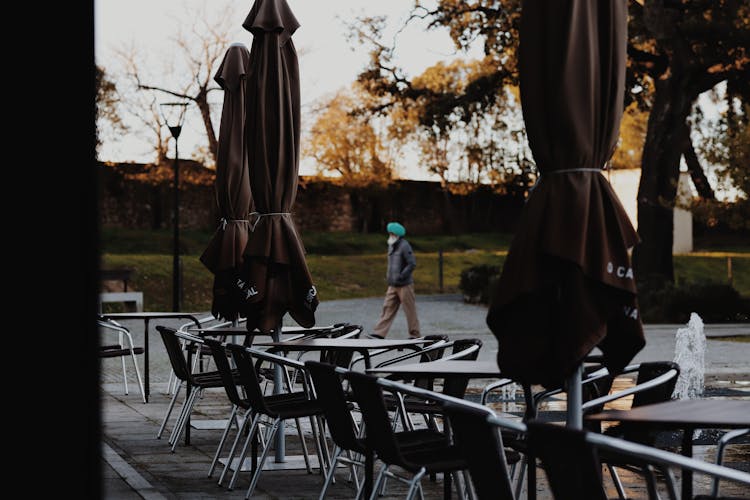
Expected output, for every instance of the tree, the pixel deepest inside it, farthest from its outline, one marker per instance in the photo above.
(202, 44)
(632, 137)
(353, 147)
(462, 114)
(677, 50)
(727, 144)
(108, 119)
(347, 144)
(143, 107)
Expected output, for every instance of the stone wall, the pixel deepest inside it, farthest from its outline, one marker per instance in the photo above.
(140, 196)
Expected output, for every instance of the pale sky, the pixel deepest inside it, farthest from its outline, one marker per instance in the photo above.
(327, 61)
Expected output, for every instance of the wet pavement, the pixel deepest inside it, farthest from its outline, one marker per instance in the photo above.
(137, 465)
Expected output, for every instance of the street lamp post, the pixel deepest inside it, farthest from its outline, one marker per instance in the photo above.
(174, 116)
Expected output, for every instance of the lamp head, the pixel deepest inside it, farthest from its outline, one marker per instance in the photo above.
(174, 116)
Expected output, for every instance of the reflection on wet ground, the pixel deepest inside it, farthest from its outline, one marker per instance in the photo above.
(736, 455)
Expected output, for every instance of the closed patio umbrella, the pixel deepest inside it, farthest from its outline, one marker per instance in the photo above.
(567, 284)
(224, 254)
(278, 279)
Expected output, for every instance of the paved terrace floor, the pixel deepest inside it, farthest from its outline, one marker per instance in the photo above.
(136, 465)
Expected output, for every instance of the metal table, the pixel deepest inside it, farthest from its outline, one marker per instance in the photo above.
(146, 317)
(686, 415)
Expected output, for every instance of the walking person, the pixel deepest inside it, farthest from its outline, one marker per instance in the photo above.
(400, 292)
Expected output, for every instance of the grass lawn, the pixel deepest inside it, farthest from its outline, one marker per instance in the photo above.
(350, 265)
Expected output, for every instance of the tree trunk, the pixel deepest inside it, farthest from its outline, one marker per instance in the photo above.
(660, 170)
(213, 144)
(700, 181)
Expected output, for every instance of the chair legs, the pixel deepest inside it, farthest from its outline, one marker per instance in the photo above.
(243, 453)
(137, 375)
(169, 411)
(249, 418)
(222, 441)
(415, 485)
(618, 483)
(182, 419)
(331, 472)
(263, 456)
(124, 372)
(135, 365)
(320, 448)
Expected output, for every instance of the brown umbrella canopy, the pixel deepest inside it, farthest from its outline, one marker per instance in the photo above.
(278, 278)
(224, 254)
(567, 283)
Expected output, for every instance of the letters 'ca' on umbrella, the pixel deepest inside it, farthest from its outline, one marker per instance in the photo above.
(279, 280)
(224, 254)
(567, 284)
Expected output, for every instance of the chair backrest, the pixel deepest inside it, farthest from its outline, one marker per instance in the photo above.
(463, 349)
(174, 351)
(571, 464)
(430, 355)
(662, 392)
(249, 377)
(341, 358)
(219, 354)
(481, 446)
(330, 393)
(433, 354)
(380, 435)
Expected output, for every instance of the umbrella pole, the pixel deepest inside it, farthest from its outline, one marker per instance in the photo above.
(278, 380)
(574, 401)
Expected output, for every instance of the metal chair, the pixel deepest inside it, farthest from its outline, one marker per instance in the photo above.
(122, 350)
(722, 444)
(462, 349)
(197, 381)
(571, 460)
(481, 444)
(277, 407)
(339, 421)
(655, 383)
(432, 456)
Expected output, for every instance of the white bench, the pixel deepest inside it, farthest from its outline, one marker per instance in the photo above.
(125, 297)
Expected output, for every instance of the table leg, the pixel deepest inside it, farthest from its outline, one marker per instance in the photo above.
(369, 472)
(146, 383)
(278, 381)
(687, 474)
(531, 477)
(188, 388)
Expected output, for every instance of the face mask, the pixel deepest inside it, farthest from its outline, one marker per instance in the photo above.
(392, 239)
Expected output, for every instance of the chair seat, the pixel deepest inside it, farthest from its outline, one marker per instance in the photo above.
(116, 351)
(421, 438)
(438, 459)
(212, 380)
(285, 397)
(293, 407)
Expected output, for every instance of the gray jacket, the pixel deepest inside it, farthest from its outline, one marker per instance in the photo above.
(401, 263)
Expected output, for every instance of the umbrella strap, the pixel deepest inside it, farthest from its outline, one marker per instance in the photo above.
(260, 216)
(563, 171)
(566, 170)
(224, 221)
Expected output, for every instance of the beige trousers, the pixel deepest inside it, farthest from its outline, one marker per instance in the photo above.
(394, 297)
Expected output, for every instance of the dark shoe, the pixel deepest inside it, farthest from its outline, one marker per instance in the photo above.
(375, 336)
